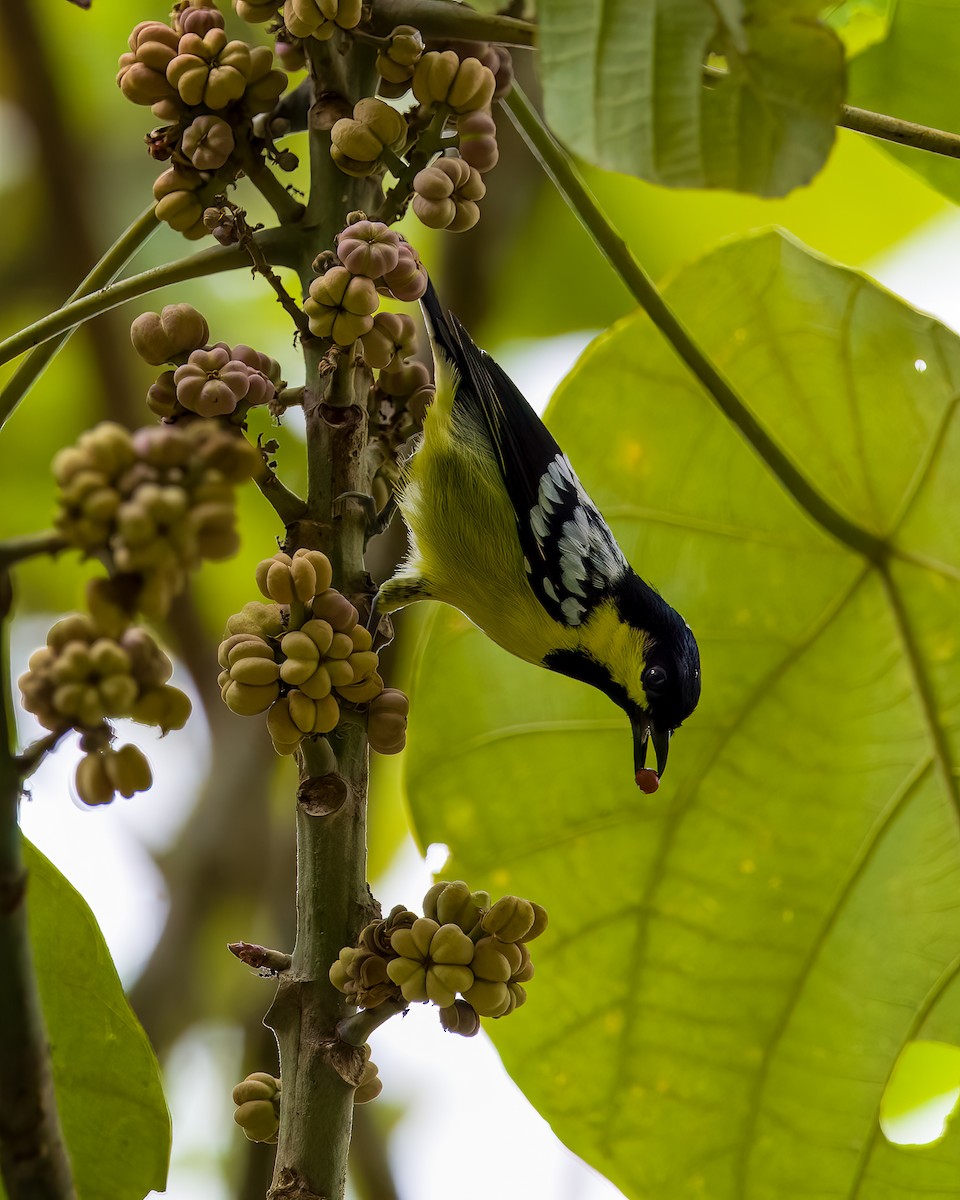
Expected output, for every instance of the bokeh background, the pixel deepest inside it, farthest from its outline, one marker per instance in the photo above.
(207, 856)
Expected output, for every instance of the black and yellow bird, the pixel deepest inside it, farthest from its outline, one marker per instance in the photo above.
(502, 529)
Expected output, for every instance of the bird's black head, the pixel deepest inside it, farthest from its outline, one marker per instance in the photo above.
(641, 653)
(670, 677)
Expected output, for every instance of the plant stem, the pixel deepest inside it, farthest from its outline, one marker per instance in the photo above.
(196, 266)
(559, 166)
(904, 133)
(262, 267)
(31, 545)
(288, 506)
(34, 1163)
(356, 1029)
(457, 22)
(106, 270)
(429, 143)
(332, 905)
(879, 125)
(320, 1072)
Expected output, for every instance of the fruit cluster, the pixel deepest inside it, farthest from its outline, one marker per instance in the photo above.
(207, 90)
(153, 504)
(466, 956)
(258, 1100)
(300, 657)
(103, 772)
(207, 380)
(318, 19)
(258, 1107)
(453, 87)
(397, 60)
(343, 301)
(90, 673)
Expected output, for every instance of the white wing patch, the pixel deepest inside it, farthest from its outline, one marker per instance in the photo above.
(580, 560)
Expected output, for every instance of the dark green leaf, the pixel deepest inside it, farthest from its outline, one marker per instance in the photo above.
(106, 1075)
(538, 292)
(624, 87)
(735, 963)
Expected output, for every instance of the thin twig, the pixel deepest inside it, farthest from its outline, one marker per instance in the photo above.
(31, 545)
(288, 506)
(106, 270)
(429, 143)
(559, 166)
(904, 133)
(261, 958)
(285, 300)
(37, 751)
(208, 262)
(457, 22)
(34, 1164)
(879, 125)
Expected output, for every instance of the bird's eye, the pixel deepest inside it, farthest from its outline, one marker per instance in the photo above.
(654, 679)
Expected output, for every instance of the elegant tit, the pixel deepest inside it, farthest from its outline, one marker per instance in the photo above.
(502, 529)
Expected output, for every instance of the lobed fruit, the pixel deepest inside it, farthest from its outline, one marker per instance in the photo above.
(464, 85)
(320, 18)
(446, 195)
(340, 306)
(170, 335)
(390, 342)
(368, 248)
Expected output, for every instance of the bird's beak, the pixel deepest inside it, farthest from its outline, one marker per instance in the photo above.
(643, 733)
(661, 744)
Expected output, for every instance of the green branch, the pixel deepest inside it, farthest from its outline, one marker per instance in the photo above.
(904, 133)
(457, 22)
(197, 266)
(355, 1030)
(288, 506)
(320, 1072)
(34, 1164)
(559, 166)
(106, 270)
(30, 545)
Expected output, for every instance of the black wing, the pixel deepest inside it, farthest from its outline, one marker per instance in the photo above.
(570, 555)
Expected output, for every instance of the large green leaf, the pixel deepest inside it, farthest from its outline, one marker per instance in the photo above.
(624, 87)
(912, 75)
(735, 963)
(860, 23)
(667, 229)
(106, 1076)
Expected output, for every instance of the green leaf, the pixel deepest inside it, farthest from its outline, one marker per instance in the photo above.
(734, 964)
(860, 23)
(912, 75)
(624, 87)
(106, 1076)
(667, 229)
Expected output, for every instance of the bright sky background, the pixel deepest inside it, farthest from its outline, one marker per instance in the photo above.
(447, 1085)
